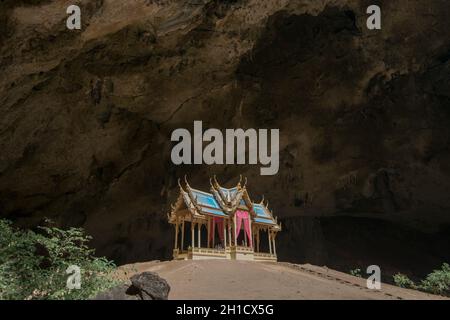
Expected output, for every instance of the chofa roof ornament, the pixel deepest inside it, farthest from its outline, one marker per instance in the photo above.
(179, 184)
(216, 184)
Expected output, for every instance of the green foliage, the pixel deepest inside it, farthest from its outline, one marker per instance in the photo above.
(437, 282)
(33, 265)
(356, 272)
(403, 281)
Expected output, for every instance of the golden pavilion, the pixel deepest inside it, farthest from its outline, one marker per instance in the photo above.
(223, 224)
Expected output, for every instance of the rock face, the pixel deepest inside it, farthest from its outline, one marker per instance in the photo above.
(363, 118)
(145, 286)
(151, 286)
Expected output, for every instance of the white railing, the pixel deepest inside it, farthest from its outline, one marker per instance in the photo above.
(209, 250)
(241, 248)
(264, 255)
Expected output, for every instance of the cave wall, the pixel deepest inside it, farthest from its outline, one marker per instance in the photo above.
(363, 118)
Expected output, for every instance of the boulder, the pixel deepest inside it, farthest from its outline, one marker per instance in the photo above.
(144, 286)
(151, 286)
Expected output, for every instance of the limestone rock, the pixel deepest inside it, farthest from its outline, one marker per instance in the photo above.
(144, 286)
(151, 286)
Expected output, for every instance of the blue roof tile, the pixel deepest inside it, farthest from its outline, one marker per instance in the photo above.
(208, 204)
(259, 210)
(206, 199)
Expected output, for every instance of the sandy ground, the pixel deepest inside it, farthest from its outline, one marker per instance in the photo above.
(221, 280)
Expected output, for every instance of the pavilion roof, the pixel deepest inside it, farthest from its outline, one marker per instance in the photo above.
(222, 202)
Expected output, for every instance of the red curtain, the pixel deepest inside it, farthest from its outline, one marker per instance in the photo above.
(216, 221)
(243, 216)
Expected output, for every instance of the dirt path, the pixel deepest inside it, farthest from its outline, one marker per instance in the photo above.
(216, 279)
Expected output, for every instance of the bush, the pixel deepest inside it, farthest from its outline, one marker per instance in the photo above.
(437, 282)
(356, 272)
(33, 264)
(403, 281)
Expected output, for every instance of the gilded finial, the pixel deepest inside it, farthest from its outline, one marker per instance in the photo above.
(215, 181)
(179, 184)
(187, 183)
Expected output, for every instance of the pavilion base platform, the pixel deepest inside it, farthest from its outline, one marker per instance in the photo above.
(229, 253)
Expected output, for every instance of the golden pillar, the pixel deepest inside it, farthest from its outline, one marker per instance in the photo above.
(208, 228)
(270, 240)
(192, 235)
(235, 231)
(224, 233)
(182, 235)
(274, 248)
(176, 235)
(229, 232)
(199, 229)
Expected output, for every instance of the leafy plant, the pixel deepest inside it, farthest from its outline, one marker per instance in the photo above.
(356, 273)
(33, 264)
(437, 282)
(403, 281)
